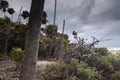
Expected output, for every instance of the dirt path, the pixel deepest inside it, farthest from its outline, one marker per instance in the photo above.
(41, 64)
(44, 63)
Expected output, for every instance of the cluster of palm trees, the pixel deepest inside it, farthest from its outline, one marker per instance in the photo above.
(25, 14)
(4, 7)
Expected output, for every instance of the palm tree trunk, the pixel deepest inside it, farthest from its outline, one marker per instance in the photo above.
(12, 17)
(28, 68)
(6, 44)
(4, 14)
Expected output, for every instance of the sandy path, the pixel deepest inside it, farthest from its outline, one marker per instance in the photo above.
(42, 64)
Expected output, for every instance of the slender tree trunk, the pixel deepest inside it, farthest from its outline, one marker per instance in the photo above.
(61, 54)
(55, 12)
(6, 44)
(4, 14)
(12, 17)
(28, 68)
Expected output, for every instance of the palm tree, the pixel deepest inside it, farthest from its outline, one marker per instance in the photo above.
(4, 6)
(32, 41)
(11, 11)
(44, 18)
(25, 14)
(51, 31)
(74, 34)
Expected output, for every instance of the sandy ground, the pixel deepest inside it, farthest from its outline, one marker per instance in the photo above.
(44, 63)
(114, 52)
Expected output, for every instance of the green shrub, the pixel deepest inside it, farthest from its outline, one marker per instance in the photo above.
(105, 64)
(1, 56)
(101, 51)
(17, 54)
(55, 71)
(86, 72)
(118, 57)
(112, 58)
(73, 78)
(116, 75)
(72, 71)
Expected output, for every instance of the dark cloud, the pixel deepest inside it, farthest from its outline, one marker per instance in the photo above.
(85, 9)
(108, 10)
(100, 18)
(113, 13)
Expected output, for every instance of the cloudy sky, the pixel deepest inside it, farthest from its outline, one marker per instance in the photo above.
(99, 18)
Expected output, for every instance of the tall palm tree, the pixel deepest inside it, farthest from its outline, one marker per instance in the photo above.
(32, 41)
(44, 18)
(74, 34)
(11, 11)
(4, 6)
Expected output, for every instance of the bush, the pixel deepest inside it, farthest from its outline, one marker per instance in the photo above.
(73, 78)
(71, 71)
(56, 71)
(116, 75)
(118, 57)
(17, 54)
(1, 56)
(101, 51)
(105, 64)
(85, 72)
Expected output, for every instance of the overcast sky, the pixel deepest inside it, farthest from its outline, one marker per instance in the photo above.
(99, 18)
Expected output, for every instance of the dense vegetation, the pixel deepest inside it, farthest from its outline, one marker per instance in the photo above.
(76, 61)
(94, 67)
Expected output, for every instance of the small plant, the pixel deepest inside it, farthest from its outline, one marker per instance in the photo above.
(73, 78)
(17, 54)
(1, 56)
